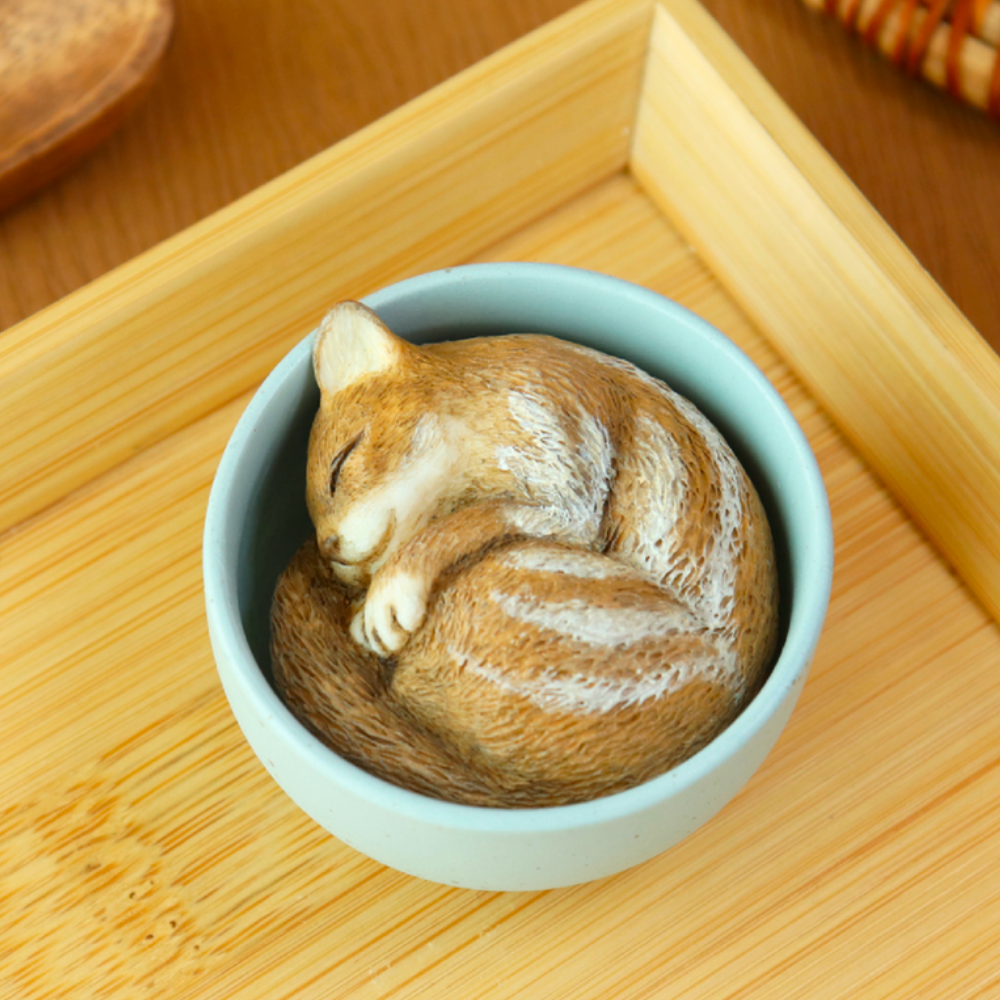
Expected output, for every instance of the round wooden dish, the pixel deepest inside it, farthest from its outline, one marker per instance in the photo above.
(71, 71)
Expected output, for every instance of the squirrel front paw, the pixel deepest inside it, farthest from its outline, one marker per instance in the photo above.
(394, 608)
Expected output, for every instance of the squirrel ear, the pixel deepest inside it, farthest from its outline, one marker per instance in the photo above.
(352, 342)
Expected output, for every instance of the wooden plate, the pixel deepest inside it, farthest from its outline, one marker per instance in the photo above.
(71, 70)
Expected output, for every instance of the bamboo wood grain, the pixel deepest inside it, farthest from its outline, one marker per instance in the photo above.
(143, 849)
(194, 322)
(902, 372)
(242, 98)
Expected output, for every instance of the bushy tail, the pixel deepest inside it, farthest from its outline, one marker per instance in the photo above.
(543, 675)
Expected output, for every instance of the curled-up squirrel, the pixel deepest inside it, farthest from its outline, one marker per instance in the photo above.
(539, 575)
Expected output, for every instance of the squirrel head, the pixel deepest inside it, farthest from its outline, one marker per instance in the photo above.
(381, 455)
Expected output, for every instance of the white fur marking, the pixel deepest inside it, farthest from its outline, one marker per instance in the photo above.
(593, 625)
(714, 597)
(579, 695)
(578, 564)
(564, 475)
(708, 588)
(658, 461)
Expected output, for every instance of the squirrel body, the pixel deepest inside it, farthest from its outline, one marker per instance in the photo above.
(546, 575)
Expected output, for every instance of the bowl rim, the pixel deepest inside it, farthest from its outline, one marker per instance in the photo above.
(229, 641)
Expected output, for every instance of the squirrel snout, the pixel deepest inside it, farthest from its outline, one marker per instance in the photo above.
(329, 545)
(353, 574)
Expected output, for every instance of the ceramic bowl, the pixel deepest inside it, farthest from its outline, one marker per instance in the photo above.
(257, 518)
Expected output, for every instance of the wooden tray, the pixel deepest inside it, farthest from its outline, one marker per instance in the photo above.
(144, 851)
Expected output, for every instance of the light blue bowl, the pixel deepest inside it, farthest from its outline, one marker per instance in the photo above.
(257, 518)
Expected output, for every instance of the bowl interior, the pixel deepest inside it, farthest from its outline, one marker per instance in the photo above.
(265, 517)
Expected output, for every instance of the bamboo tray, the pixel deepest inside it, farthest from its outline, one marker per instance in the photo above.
(144, 851)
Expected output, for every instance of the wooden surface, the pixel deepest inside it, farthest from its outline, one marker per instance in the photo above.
(144, 850)
(898, 367)
(249, 88)
(229, 296)
(71, 70)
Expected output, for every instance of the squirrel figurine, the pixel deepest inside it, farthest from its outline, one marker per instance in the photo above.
(539, 575)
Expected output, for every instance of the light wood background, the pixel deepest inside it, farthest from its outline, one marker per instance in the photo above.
(249, 88)
(143, 849)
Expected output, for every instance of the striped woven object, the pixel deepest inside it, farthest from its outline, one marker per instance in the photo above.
(954, 44)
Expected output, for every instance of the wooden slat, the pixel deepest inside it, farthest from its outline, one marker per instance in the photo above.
(191, 324)
(144, 850)
(902, 372)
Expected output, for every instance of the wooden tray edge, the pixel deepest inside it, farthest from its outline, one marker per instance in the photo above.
(476, 158)
(902, 372)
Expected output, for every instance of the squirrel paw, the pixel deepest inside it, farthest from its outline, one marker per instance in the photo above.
(394, 608)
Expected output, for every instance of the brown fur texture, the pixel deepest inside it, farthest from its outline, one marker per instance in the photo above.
(539, 575)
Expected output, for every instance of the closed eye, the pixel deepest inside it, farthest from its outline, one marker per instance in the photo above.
(337, 464)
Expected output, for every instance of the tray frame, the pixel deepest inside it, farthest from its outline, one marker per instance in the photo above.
(655, 88)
